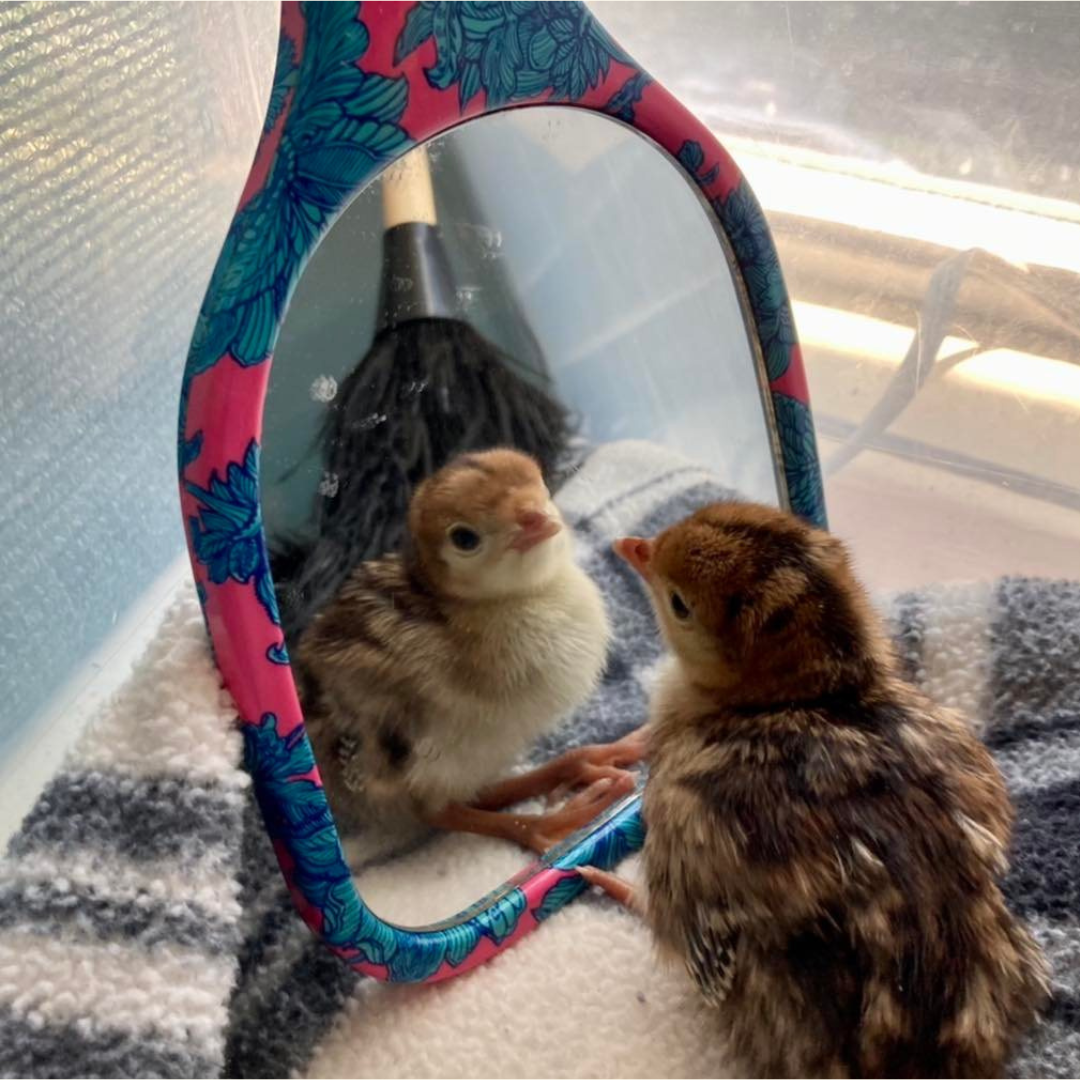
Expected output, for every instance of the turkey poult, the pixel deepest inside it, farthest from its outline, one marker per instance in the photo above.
(824, 844)
(432, 670)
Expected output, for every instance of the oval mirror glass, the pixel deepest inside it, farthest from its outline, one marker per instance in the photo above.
(586, 271)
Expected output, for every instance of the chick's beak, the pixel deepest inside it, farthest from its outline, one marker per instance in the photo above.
(637, 552)
(534, 527)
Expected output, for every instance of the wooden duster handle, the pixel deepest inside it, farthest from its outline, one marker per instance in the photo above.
(407, 192)
(417, 280)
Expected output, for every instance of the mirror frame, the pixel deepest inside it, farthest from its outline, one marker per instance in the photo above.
(355, 87)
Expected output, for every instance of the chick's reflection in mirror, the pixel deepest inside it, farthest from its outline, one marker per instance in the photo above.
(433, 669)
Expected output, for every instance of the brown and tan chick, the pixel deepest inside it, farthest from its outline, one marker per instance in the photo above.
(823, 845)
(431, 671)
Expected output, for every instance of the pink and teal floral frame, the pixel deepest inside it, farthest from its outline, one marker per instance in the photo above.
(357, 85)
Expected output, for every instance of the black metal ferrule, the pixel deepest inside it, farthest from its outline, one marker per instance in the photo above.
(416, 279)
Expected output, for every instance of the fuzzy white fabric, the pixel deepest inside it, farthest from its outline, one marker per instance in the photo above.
(583, 997)
(104, 938)
(957, 649)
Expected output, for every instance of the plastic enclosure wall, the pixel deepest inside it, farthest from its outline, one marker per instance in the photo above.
(125, 135)
(355, 87)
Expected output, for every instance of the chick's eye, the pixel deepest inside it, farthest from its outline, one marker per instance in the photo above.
(678, 607)
(464, 538)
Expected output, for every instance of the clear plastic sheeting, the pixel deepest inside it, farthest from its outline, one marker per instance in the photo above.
(920, 168)
(126, 132)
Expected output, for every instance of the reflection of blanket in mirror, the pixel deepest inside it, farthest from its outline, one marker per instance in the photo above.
(144, 929)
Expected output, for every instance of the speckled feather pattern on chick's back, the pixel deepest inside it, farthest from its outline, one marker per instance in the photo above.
(824, 845)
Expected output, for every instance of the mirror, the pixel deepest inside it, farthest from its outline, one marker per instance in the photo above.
(592, 275)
